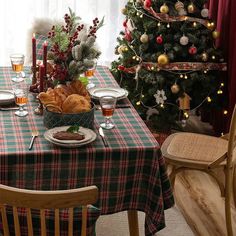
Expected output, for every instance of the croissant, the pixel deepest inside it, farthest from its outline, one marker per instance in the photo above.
(75, 104)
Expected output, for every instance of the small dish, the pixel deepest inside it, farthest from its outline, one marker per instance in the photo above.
(119, 93)
(6, 97)
(90, 136)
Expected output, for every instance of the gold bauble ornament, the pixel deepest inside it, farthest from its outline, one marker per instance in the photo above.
(121, 49)
(175, 88)
(215, 34)
(124, 11)
(204, 56)
(144, 38)
(164, 9)
(191, 8)
(163, 59)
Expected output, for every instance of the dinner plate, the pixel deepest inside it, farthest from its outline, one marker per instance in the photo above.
(6, 97)
(119, 93)
(90, 136)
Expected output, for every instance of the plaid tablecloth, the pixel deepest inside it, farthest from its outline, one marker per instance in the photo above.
(130, 173)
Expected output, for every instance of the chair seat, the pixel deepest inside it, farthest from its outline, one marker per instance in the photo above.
(195, 148)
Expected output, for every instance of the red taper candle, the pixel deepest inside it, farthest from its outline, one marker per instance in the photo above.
(41, 77)
(45, 48)
(34, 51)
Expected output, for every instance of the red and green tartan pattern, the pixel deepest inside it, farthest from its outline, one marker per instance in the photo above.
(130, 173)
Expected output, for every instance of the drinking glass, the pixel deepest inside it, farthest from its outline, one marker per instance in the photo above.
(90, 74)
(20, 90)
(17, 62)
(108, 104)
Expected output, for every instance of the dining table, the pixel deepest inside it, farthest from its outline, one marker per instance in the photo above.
(130, 172)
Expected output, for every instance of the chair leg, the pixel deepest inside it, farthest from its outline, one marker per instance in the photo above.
(228, 193)
(133, 223)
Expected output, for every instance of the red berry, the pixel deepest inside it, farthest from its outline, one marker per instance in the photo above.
(148, 3)
(121, 67)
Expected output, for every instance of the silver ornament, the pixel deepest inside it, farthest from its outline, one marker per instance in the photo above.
(184, 40)
(204, 12)
(144, 38)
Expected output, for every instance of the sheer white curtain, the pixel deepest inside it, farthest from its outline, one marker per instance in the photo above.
(17, 17)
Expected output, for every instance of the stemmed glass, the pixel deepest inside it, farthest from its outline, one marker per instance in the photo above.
(21, 97)
(89, 74)
(17, 62)
(108, 104)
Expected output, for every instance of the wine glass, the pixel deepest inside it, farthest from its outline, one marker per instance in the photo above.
(89, 74)
(108, 104)
(20, 90)
(17, 62)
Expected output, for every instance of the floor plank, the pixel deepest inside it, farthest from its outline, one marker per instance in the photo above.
(198, 197)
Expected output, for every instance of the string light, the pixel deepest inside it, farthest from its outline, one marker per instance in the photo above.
(205, 71)
(152, 68)
(181, 76)
(222, 84)
(209, 99)
(159, 24)
(168, 25)
(194, 24)
(219, 91)
(186, 115)
(225, 112)
(141, 16)
(138, 103)
(185, 76)
(162, 106)
(213, 57)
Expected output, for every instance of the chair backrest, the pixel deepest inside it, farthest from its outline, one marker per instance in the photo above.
(32, 199)
(231, 154)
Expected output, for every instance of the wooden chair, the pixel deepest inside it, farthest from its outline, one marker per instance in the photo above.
(31, 199)
(205, 153)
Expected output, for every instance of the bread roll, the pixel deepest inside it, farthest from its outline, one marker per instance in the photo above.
(76, 104)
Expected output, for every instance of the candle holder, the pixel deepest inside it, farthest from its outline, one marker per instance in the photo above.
(34, 70)
(39, 110)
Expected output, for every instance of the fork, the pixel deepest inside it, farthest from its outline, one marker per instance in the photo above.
(35, 133)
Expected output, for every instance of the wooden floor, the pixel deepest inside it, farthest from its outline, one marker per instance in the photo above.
(198, 197)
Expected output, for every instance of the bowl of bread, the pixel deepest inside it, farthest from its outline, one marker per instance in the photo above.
(67, 104)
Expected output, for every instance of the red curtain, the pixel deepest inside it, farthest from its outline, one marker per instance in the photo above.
(223, 12)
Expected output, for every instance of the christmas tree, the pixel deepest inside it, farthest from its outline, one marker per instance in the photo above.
(168, 60)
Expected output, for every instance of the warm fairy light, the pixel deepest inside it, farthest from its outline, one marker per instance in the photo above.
(181, 76)
(138, 103)
(194, 24)
(142, 96)
(137, 58)
(159, 24)
(225, 112)
(222, 134)
(205, 71)
(185, 76)
(137, 13)
(162, 105)
(222, 84)
(134, 57)
(213, 57)
(141, 16)
(219, 91)
(168, 25)
(209, 99)
(208, 24)
(152, 68)
(186, 115)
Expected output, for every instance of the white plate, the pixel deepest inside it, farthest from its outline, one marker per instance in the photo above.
(6, 97)
(90, 136)
(119, 93)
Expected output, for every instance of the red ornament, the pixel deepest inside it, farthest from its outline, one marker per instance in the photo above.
(192, 50)
(128, 36)
(159, 39)
(125, 23)
(121, 67)
(148, 3)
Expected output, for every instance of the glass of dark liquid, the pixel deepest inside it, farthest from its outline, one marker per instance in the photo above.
(108, 104)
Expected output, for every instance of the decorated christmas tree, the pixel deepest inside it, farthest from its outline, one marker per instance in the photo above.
(168, 60)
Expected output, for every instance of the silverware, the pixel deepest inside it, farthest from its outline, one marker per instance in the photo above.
(35, 133)
(8, 108)
(100, 130)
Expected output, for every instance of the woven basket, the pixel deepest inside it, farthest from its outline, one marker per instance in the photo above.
(84, 119)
